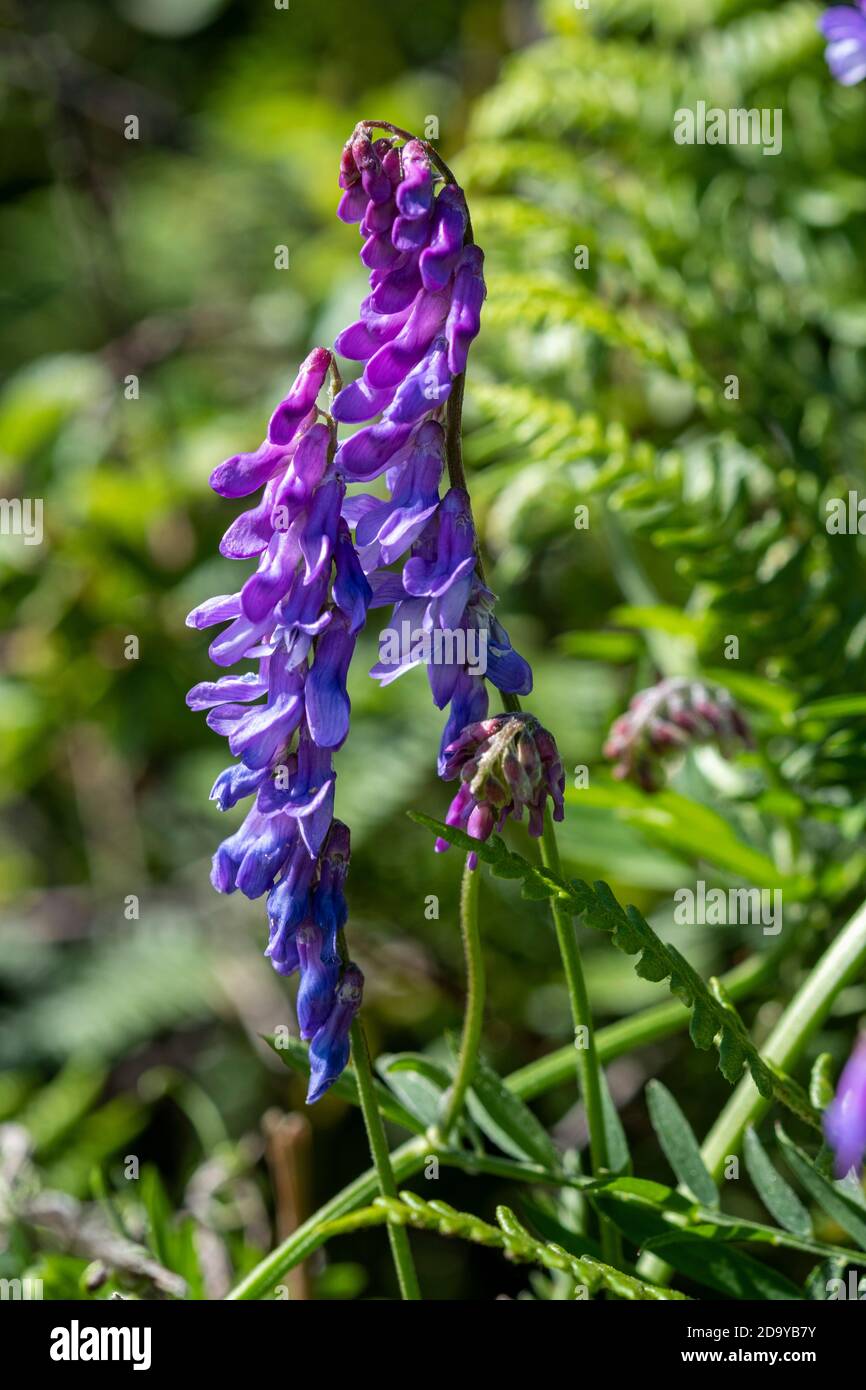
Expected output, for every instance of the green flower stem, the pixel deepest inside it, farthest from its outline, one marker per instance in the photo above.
(585, 1052)
(839, 965)
(473, 1017)
(402, 1254)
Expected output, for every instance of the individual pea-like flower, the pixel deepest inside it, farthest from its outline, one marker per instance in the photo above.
(506, 765)
(844, 28)
(845, 1116)
(665, 720)
(329, 1047)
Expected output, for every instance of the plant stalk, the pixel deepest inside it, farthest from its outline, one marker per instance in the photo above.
(586, 1053)
(654, 1024)
(473, 1017)
(398, 1236)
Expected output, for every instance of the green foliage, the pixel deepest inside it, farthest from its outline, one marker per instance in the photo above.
(680, 1146)
(603, 386)
(714, 1018)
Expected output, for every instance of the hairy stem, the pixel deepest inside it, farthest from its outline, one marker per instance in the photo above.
(585, 1051)
(400, 1250)
(473, 1017)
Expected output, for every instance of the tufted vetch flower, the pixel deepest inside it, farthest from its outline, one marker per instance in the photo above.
(844, 28)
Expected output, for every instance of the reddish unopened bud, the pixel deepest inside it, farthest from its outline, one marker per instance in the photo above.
(667, 719)
(506, 765)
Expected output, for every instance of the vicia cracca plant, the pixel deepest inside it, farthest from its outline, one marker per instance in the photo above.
(327, 553)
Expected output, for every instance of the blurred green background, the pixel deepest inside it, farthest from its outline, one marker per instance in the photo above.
(135, 1029)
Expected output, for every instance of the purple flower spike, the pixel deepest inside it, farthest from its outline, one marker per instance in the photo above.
(844, 28)
(298, 615)
(329, 1049)
(845, 1117)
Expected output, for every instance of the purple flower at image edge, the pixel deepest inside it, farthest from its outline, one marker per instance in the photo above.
(845, 1117)
(844, 28)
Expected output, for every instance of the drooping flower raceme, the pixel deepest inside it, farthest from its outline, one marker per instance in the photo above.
(413, 337)
(845, 1117)
(844, 28)
(665, 720)
(298, 615)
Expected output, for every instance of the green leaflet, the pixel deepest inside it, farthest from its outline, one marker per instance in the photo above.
(850, 1215)
(417, 1081)
(693, 1252)
(714, 1018)
(723, 1268)
(679, 1144)
(507, 1121)
(780, 1200)
(618, 1156)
